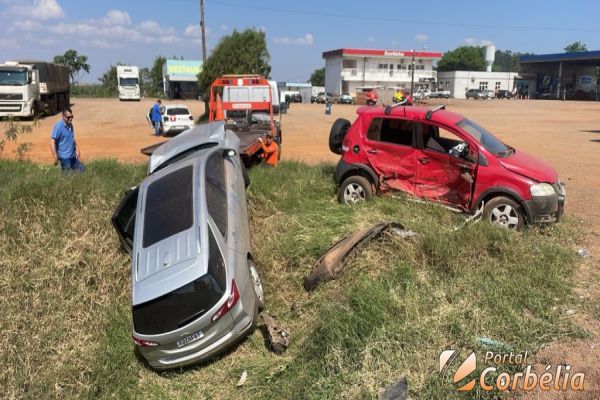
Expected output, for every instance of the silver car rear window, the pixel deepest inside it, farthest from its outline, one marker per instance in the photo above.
(186, 304)
(178, 111)
(169, 206)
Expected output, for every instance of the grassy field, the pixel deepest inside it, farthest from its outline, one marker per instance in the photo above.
(65, 304)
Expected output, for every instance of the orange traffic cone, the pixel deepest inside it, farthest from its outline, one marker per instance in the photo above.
(219, 114)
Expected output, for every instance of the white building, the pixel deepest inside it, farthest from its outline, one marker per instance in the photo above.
(349, 69)
(458, 82)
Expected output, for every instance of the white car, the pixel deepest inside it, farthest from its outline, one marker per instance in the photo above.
(422, 94)
(176, 118)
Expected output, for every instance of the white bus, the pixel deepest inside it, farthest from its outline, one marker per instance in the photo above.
(128, 81)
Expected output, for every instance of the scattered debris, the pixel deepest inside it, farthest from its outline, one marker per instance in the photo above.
(473, 218)
(331, 264)
(277, 337)
(398, 391)
(403, 233)
(583, 252)
(570, 312)
(243, 378)
(469, 218)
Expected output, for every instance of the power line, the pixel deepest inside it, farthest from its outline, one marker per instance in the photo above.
(399, 20)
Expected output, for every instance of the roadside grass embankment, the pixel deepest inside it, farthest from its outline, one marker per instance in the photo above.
(65, 326)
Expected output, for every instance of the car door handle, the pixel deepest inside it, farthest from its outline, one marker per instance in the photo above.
(424, 160)
(372, 151)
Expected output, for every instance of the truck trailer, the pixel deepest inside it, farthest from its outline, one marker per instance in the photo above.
(128, 81)
(29, 88)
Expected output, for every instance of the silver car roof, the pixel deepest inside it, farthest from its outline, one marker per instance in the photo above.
(214, 132)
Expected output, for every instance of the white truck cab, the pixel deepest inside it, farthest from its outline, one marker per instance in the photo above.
(128, 81)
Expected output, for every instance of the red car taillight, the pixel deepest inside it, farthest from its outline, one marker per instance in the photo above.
(143, 343)
(173, 118)
(231, 301)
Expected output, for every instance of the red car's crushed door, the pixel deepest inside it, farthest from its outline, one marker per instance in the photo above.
(446, 167)
(389, 148)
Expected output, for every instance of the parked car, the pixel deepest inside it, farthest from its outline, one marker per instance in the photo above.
(321, 98)
(441, 156)
(422, 94)
(296, 98)
(440, 94)
(195, 287)
(489, 94)
(504, 94)
(345, 99)
(475, 94)
(176, 119)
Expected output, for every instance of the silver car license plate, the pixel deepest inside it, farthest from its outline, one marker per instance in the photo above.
(189, 339)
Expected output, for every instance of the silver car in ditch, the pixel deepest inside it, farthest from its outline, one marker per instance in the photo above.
(195, 288)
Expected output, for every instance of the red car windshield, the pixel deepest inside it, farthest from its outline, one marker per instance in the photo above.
(490, 142)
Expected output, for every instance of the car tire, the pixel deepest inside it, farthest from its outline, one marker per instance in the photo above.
(256, 285)
(505, 212)
(338, 132)
(355, 189)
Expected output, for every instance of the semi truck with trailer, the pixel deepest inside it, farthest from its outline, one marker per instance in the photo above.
(30, 88)
(128, 81)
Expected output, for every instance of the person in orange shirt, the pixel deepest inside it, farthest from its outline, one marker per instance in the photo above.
(270, 148)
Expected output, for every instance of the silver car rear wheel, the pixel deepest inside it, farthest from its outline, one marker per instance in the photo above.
(257, 285)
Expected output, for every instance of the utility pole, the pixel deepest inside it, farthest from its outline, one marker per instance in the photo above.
(202, 29)
(412, 73)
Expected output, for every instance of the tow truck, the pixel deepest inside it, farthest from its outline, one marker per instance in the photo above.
(246, 104)
(249, 106)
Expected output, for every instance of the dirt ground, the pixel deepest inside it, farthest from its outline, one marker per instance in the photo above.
(566, 134)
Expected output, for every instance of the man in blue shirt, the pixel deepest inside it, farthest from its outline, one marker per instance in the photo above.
(156, 117)
(62, 144)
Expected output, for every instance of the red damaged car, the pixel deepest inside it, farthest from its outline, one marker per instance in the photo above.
(438, 155)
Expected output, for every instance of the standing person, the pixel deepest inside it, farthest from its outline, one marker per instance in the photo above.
(269, 148)
(156, 117)
(62, 144)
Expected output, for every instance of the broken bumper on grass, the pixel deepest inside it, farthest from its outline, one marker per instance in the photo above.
(331, 264)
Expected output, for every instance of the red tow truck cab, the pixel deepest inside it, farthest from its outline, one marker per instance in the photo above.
(438, 155)
(245, 102)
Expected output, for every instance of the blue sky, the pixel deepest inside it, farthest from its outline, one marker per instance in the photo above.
(136, 31)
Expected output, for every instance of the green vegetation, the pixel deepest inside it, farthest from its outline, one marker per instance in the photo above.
(575, 47)
(239, 53)
(464, 58)
(472, 58)
(66, 292)
(317, 78)
(76, 62)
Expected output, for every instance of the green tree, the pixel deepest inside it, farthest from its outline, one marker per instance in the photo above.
(75, 61)
(465, 58)
(145, 82)
(155, 87)
(576, 47)
(317, 78)
(239, 53)
(507, 61)
(109, 81)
